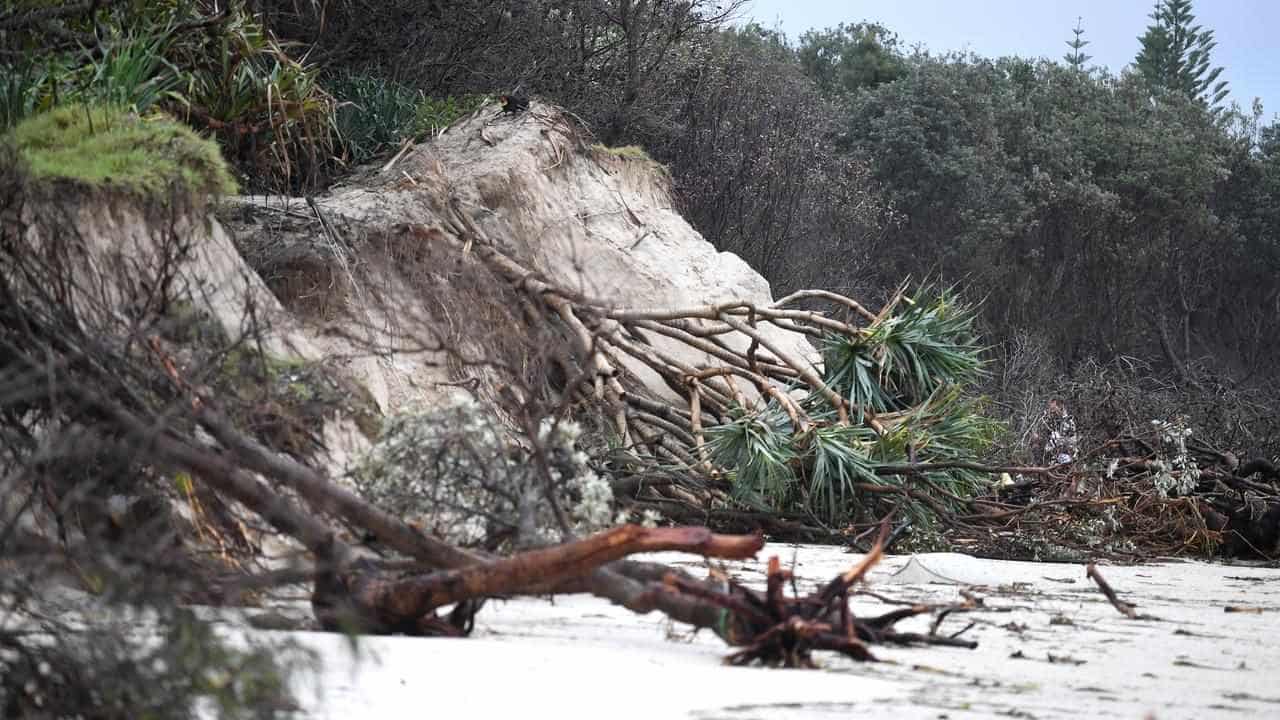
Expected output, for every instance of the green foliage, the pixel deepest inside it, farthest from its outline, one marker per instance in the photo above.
(850, 57)
(1077, 57)
(841, 459)
(110, 147)
(1176, 52)
(20, 91)
(906, 357)
(133, 73)
(267, 109)
(758, 449)
(630, 152)
(1033, 182)
(375, 114)
(221, 74)
(911, 369)
(130, 72)
(435, 114)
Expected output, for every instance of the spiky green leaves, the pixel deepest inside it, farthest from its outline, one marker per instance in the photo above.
(910, 369)
(906, 357)
(841, 459)
(758, 450)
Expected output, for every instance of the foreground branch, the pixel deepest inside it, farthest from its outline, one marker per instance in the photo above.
(379, 604)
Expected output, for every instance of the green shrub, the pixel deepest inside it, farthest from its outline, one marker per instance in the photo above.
(911, 369)
(267, 110)
(436, 114)
(373, 114)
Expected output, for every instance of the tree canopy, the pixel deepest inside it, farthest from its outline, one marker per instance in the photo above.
(1176, 54)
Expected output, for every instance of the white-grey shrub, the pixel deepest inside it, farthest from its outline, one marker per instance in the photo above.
(458, 473)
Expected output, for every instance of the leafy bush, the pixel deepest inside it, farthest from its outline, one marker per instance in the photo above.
(458, 473)
(375, 114)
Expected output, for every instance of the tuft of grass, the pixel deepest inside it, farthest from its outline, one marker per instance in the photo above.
(632, 153)
(436, 114)
(25, 88)
(108, 147)
(133, 74)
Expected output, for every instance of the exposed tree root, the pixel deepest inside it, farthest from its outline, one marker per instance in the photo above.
(776, 630)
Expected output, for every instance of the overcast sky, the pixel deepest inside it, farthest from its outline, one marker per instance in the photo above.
(1247, 31)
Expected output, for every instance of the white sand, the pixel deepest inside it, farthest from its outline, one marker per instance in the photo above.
(580, 657)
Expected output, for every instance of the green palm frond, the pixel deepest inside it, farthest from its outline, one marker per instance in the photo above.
(904, 358)
(839, 462)
(910, 368)
(758, 450)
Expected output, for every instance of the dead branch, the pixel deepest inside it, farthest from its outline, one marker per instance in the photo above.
(1126, 609)
(382, 604)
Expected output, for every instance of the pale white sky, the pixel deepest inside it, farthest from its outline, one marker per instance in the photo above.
(1247, 31)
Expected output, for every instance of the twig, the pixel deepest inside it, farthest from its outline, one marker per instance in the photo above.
(404, 148)
(1126, 609)
(905, 468)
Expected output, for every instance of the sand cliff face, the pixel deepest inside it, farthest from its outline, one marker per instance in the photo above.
(372, 280)
(373, 263)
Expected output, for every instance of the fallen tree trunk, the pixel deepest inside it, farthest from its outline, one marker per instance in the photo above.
(352, 593)
(355, 597)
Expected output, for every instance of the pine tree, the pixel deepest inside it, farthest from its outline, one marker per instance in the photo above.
(1175, 54)
(1077, 57)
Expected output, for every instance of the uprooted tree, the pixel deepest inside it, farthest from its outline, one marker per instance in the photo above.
(144, 406)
